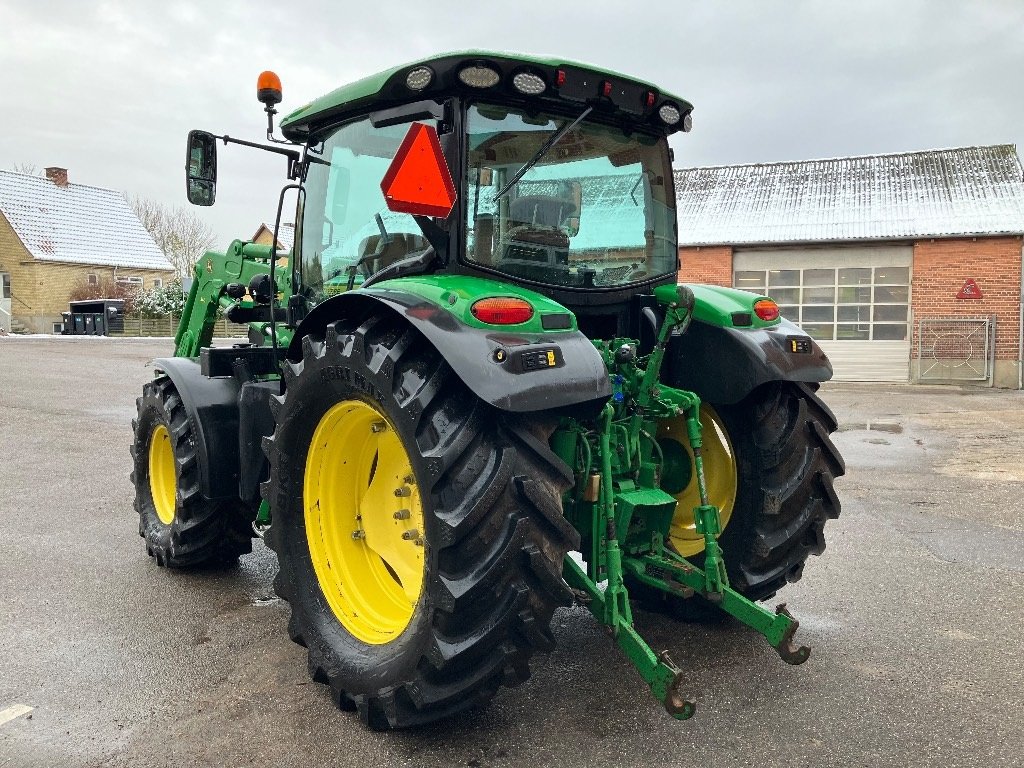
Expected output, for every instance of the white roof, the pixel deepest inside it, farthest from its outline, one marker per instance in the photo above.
(285, 238)
(77, 223)
(937, 193)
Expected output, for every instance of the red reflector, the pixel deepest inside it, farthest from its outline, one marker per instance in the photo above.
(560, 78)
(606, 88)
(766, 309)
(502, 310)
(418, 180)
(649, 101)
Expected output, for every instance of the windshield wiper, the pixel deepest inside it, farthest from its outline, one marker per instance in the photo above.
(544, 149)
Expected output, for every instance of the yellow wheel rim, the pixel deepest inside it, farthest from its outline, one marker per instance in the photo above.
(162, 483)
(719, 472)
(364, 522)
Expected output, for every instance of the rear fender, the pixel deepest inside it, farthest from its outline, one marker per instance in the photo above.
(724, 365)
(513, 370)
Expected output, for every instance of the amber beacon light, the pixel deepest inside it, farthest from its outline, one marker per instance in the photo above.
(268, 88)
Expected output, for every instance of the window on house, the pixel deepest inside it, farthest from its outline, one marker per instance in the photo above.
(58, 327)
(128, 280)
(93, 278)
(158, 282)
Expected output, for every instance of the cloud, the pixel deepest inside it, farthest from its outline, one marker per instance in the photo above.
(111, 89)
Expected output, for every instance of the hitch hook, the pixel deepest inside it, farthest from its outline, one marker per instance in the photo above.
(675, 703)
(788, 650)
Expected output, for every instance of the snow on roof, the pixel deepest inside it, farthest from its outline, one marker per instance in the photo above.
(285, 238)
(77, 223)
(936, 193)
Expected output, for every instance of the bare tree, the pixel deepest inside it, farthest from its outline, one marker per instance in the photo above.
(28, 169)
(179, 233)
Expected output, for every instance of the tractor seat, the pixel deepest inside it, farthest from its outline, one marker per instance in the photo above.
(401, 244)
(540, 211)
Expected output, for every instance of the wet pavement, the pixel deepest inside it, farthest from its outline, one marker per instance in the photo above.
(914, 614)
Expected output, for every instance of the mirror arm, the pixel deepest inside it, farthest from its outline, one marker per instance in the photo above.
(292, 154)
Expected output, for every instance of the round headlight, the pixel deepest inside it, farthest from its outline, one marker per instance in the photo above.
(419, 78)
(669, 114)
(687, 122)
(529, 83)
(478, 76)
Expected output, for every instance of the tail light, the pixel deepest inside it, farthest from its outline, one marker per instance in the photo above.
(502, 310)
(766, 309)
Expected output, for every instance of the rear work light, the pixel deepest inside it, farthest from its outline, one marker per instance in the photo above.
(766, 309)
(669, 114)
(502, 310)
(479, 76)
(529, 83)
(419, 78)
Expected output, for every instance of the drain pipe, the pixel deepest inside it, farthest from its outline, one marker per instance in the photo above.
(1020, 322)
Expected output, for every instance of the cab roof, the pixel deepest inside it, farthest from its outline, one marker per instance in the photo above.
(566, 82)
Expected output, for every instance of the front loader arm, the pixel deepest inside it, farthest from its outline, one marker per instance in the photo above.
(240, 263)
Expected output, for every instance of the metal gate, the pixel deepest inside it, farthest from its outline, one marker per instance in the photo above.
(956, 348)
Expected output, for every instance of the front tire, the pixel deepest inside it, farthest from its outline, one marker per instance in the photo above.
(374, 425)
(182, 528)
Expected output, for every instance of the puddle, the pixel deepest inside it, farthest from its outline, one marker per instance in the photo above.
(889, 427)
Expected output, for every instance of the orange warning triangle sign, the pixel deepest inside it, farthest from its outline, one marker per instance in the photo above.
(418, 180)
(971, 290)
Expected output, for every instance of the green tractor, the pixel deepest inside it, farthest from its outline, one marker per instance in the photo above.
(473, 391)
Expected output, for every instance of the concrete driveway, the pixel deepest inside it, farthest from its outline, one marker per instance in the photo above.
(914, 614)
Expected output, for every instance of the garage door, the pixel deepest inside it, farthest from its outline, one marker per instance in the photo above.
(855, 301)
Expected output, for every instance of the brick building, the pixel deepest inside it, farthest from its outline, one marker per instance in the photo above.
(903, 267)
(55, 235)
(264, 235)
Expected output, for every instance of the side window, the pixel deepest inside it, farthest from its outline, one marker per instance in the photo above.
(346, 222)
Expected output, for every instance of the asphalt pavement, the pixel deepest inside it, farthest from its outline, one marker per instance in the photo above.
(914, 614)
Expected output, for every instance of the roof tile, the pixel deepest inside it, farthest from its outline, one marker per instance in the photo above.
(77, 223)
(936, 193)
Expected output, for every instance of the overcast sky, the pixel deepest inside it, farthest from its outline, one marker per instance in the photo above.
(109, 89)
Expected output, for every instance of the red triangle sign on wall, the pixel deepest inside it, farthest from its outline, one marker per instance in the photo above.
(418, 180)
(971, 290)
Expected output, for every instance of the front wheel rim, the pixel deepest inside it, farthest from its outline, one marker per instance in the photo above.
(720, 472)
(162, 481)
(364, 522)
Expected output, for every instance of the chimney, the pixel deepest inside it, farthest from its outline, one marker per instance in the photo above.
(58, 176)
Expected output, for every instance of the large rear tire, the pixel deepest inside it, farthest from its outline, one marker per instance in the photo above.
(419, 531)
(182, 529)
(785, 465)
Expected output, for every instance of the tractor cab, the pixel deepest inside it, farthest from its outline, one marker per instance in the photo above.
(551, 175)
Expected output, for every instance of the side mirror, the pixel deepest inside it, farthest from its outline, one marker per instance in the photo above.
(201, 168)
